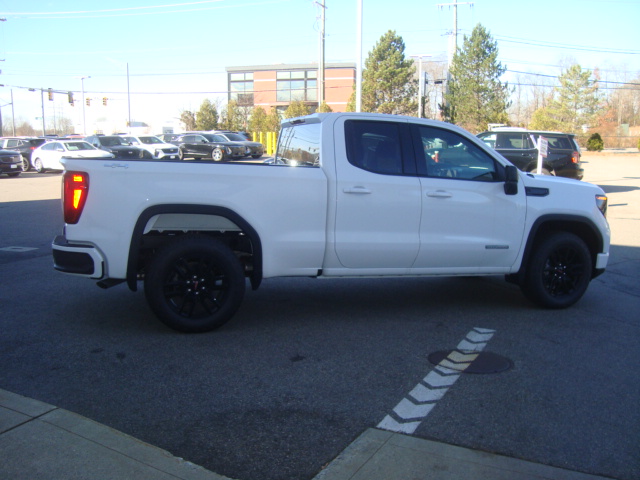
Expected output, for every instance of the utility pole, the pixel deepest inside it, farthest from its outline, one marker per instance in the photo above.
(453, 38)
(359, 57)
(321, 4)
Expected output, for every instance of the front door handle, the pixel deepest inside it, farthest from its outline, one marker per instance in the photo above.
(439, 194)
(360, 190)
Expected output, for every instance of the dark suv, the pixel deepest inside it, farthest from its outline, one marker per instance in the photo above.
(519, 146)
(117, 145)
(25, 146)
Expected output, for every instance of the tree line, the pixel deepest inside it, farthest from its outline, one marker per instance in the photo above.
(473, 95)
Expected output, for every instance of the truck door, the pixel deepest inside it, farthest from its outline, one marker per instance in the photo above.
(468, 222)
(378, 203)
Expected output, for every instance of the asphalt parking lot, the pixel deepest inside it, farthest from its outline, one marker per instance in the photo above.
(306, 366)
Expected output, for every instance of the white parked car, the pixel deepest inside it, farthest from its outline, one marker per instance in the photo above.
(48, 155)
(153, 145)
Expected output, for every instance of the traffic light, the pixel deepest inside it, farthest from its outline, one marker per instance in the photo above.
(50, 93)
(88, 102)
(71, 98)
(104, 101)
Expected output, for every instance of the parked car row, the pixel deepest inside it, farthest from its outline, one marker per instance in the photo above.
(20, 154)
(217, 146)
(25, 146)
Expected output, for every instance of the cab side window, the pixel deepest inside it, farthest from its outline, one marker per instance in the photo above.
(374, 146)
(446, 154)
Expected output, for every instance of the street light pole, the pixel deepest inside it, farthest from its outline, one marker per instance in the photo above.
(44, 132)
(84, 118)
(420, 82)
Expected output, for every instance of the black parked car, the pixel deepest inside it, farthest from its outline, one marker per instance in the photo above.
(118, 146)
(25, 146)
(252, 149)
(208, 145)
(10, 162)
(519, 146)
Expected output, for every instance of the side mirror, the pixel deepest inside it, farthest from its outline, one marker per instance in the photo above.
(511, 181)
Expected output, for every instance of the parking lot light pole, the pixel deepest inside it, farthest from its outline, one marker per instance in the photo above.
(84, 118)
(420, 82)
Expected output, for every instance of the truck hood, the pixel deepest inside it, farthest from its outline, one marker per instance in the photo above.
(552, 182)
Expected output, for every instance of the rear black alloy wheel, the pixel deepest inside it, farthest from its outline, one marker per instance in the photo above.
(194, 284)
(559, 271)
(26, 164)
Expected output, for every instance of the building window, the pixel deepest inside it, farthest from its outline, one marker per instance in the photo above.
(241, 88)
(298, 85)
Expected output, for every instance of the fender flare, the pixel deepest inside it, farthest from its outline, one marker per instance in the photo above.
(146, 215)
(569, 223)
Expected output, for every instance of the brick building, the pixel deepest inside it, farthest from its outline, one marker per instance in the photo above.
(279, 85)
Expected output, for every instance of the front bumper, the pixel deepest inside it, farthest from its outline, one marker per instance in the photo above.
(77, 259)
(570, 170)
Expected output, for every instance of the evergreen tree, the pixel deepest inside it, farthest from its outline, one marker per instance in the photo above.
(576, 102)
(207, 116)
(476, 96)
(296, 109)
(388, 80)
(232, 118)
(324, 108)
(258, 120)
(273, 121)
(188, 118)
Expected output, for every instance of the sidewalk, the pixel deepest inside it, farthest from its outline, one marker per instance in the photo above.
(38, 440)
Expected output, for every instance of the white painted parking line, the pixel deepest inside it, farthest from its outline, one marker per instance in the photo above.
(413, 409)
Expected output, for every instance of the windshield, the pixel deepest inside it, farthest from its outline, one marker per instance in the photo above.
(234, 137)
(150, 140)
(299, 145)
(112, 141)
(75, 146)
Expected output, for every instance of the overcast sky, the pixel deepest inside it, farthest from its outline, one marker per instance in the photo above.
(176, 51)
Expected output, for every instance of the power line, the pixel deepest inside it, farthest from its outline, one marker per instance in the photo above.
(541, 43)
(556, 77)
(108, 13)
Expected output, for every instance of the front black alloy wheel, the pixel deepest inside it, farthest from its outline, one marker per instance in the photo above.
(194, 284)
(559, 271)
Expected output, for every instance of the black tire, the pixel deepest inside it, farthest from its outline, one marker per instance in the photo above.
(26, 164)
(559, 271)
(217, 155)
(181, 154)
(37, 164)
(256, 156)
(194, 284)
(17, 174)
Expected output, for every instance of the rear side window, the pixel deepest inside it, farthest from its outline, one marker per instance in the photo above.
(560, 142)
(299, 146)
(374, 146)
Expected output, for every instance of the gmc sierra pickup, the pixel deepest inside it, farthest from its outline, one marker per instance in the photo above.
(347, 194)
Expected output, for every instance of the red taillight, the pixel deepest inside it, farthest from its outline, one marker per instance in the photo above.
(575, 157)
(75, 188)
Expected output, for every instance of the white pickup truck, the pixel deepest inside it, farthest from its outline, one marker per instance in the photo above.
(347, 194)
